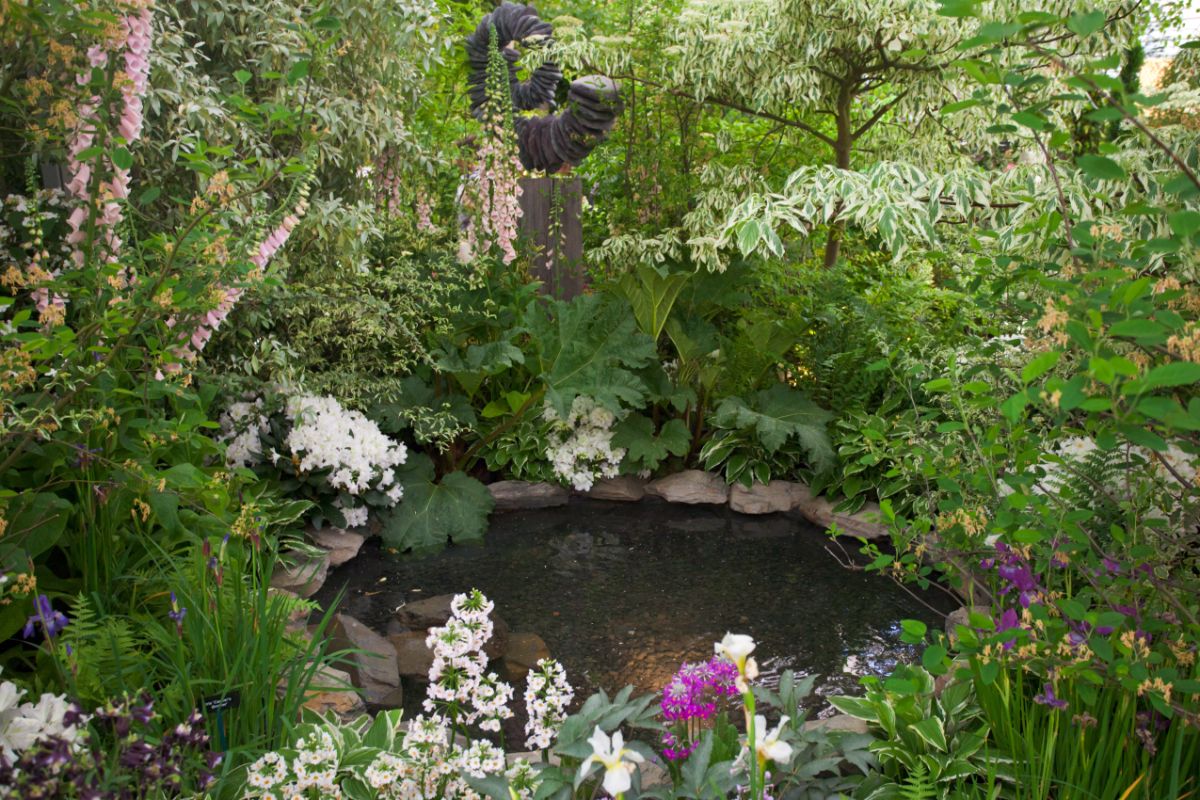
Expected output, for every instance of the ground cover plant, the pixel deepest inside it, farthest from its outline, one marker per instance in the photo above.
(262, 274)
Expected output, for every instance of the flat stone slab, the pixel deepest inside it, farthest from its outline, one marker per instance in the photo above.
(838, 723)
(692, 487)
(521, 655)
(413, 656)
(301, 574)
(624, 488)
(865, 523)
(523, 495)
(331, 690)
(373, 664)
(341, 545)
(771, 498)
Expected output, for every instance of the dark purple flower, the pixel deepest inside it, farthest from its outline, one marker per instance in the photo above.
(1113, 567)
(84, 456)
(177, 613)
(43, 612)
(1048, 698)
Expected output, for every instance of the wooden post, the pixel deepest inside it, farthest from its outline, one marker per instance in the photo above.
(558, 262)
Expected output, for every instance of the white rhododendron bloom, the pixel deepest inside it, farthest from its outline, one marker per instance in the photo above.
(242, 426)
(611, 754)
(326, 436)
(580, 449)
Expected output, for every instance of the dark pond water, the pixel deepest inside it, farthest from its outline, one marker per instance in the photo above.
(623, 593)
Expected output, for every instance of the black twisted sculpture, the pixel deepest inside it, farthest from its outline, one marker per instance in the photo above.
(546, 142)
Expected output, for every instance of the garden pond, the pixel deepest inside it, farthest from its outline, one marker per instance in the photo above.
(624, 593)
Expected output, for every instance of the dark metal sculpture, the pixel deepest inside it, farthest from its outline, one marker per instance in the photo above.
(546, 142)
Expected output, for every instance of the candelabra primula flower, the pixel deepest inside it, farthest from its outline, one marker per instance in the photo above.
(737, 647)
(611, 753)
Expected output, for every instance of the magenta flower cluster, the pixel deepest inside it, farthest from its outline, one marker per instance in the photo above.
(693, 696)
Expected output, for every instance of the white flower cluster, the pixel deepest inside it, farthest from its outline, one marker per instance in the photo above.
(315, 766)
(547, 695)
(22, 725)
(458, 682)
(428, 766)
(580, 449)
(242, 427)
(358, 456)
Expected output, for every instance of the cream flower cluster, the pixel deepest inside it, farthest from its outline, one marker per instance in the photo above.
(315, 767)
(459, 683)
(547, 695)
(242, 426)
(22, 725)
(580, 449)
(357, 455)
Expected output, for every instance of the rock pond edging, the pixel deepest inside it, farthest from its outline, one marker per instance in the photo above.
(696, 487)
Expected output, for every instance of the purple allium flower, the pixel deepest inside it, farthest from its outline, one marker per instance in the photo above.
(1048, 698)
(43, 612)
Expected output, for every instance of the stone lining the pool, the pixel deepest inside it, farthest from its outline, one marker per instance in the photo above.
(696, 487)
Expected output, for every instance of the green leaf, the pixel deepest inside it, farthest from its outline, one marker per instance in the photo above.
(298, 72)
(36, 522)
(590, 347)
(1101, 168)
(933, 657)
(748, 236)
(1177, 373)
(122, 158)
(242, 76)
(1184, 223)
(643, 448)
(1085, 23)
(1040, 365)
(432, 513)
(931, 732)
(1014, 407)
(777, 414)
(165, 506)
(1136, 328)
(959, 8)
(652, 295)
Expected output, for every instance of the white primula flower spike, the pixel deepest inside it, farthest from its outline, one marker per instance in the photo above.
(737, 647)
(610, 752)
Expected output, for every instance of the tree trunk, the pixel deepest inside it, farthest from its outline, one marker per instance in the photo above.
(841, 151)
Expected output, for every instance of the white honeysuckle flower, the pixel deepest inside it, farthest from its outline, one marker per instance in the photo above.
(737, 647)
(767, 744)
(610, 753)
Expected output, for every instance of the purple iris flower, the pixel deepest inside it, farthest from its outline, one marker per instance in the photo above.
(1048, 698)
(43, 612)
(177, 614)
